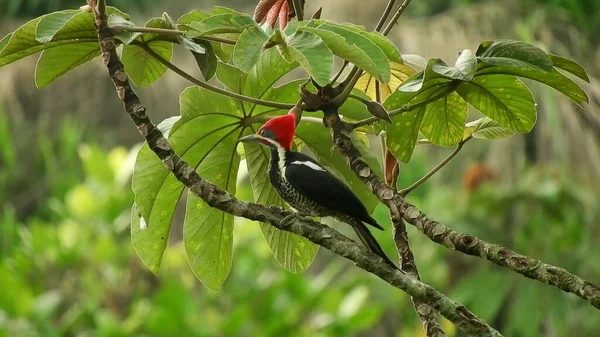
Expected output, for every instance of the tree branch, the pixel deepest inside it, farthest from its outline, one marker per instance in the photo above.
(428, 316)
(222, 200)
(385, 14)
(395, 18)
(207, 86)
(468, 244)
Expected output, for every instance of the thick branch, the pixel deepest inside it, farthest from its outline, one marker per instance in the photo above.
(468, 244)
(428, 316)
(220, 199)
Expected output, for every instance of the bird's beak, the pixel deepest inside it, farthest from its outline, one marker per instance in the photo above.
(250, 139)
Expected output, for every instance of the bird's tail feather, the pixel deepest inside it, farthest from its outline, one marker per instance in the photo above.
(369, 241)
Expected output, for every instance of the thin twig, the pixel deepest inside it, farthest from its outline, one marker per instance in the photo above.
(395, 18)
(315, 232)
(385, 15)
(404, 192)
(405, 108)
(117, 29)
(210, 87)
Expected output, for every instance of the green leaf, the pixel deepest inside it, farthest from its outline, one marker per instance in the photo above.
(208, 232)
(360, 141)
(570, 66)
(221, 23)
(388, 48)
(503, 98)
(489, 129)
(56, 62)
(355, 48)
(444, 120)
(553, 79)
(207, 61)
(293, 252)
(403, 132)
(463, 70)
(514, 53)
(311, 53)
(50, 24)
(223, 52)
(22, 42)
(209, 122)
(249, 48)
(142, 68)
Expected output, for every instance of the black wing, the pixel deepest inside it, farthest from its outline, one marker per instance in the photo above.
(318, 184)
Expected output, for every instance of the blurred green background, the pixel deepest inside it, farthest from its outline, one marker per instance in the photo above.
(67, 267)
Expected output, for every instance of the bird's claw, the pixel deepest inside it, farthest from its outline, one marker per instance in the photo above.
(290, 218)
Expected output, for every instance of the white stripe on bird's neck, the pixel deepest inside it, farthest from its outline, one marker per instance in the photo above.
(280, 155)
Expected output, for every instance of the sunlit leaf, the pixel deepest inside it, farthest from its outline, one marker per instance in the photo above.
(142, 68)
(487, 128)
(22, 42)
(208, 121)
(553, 78)
(354, 48)
(514, 53)
(56, 62)
(220, 23)
(399, 74)
(463, 70)
(249, 48)
(570, 66)
(503, 98)
(444, 120)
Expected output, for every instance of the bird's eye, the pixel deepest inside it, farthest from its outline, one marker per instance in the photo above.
(263, 133)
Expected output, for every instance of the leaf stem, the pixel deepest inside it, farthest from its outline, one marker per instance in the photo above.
(210, 87)
(395, 18)
(433, 171)
(405, 108)
(298, 10)
(385, 14)
(116, 29)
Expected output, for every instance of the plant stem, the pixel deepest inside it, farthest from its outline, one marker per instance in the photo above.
(395, 18)
(263, 118)
(168, 32)
(210, 87)
(339, 73)
(385, 15)
(298, 10)
(433, 171)
(403, 109)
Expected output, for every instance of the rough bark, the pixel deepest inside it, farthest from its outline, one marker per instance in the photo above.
(437, 232)
(222, 200)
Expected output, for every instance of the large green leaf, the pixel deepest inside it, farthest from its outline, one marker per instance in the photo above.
(503, 98)
(290, 250)
(293, 252)
(22, 42)
(355, 48)
(310, 52)
(142, 68)
(56, 62)
(51, 23)
(514, 53)
(208, 232)
(526, 311)
(553, 78)
(444, 120)
(249, 48)
(208, 122)
(402, 133)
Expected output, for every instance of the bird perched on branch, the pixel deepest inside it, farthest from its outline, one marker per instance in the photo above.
(307, 186)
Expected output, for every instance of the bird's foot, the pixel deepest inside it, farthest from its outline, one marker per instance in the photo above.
(290, 218)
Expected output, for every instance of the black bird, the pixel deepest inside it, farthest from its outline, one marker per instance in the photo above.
(308, 187)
